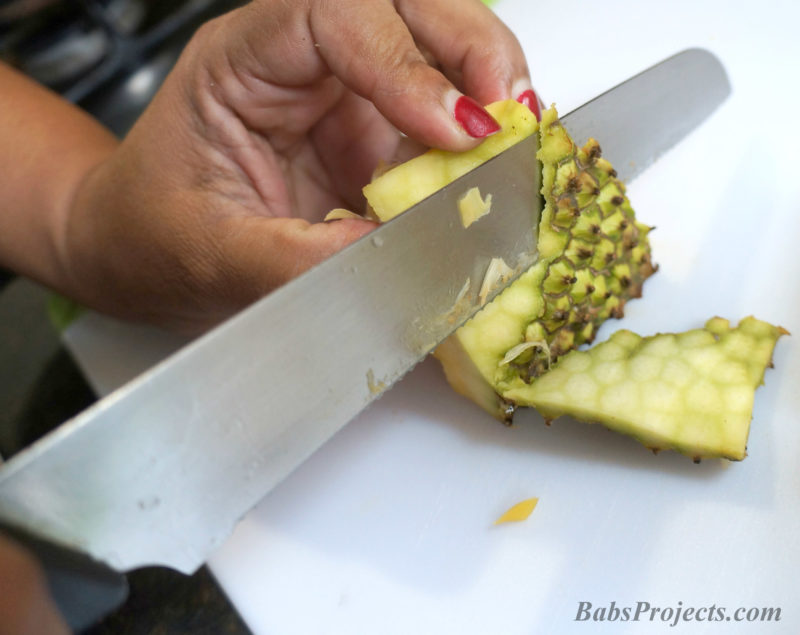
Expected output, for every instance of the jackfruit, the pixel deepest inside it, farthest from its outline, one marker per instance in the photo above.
(692, 392)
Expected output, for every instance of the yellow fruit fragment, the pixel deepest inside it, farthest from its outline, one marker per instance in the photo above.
(339, 213)
(407, 184)
(518, 512)
(497, 273)
(472, 206)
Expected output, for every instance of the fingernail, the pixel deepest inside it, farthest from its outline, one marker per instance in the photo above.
(526, 95)
(530, 99)
(474, 118)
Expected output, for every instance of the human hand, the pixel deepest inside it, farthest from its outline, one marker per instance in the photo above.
(275, 114)
(25, 604)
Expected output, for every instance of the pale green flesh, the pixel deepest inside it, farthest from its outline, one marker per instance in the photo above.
(692, 392)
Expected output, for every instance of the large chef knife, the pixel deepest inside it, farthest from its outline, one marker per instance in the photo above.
(160, 471)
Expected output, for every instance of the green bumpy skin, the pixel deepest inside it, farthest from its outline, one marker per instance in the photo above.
(691, 392)
(593, 257)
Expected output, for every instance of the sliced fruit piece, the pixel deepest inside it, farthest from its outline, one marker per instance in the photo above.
(519, 512)
(405, 185)
(691, 392)
(472, 206)
(593, 257)
(340, 213)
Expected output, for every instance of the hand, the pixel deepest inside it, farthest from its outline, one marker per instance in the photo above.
(275, 114)
(25, 604)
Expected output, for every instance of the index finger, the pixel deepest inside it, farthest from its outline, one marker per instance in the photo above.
(466, 36)
(369, 45)
(372, 49)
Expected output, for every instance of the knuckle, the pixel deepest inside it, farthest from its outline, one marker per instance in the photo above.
(409, 73)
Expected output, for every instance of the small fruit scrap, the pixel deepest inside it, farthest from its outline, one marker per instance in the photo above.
(340, 213)
(497, 273)
(473, 206)
(691, 392)
(518, 512)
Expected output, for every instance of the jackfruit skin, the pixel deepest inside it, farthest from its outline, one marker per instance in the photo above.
(593, 257)
(691, 392)
(598, 254)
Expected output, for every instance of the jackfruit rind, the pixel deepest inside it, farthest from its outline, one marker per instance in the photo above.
(692, 392)
(593, 256)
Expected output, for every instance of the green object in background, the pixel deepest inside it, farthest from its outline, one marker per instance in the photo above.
(62, 311)
(489, 3)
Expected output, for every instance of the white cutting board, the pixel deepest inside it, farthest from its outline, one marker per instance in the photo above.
(388, 528)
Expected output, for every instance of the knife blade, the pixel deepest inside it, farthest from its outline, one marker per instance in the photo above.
(646, 115)
(160, 471)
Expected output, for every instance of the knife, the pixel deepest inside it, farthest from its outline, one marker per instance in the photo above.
(160, 471)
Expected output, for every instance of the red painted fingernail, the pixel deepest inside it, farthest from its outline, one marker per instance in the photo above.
(530, 99)
(474, 118)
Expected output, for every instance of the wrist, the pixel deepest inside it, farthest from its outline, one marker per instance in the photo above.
(75, 236)
(49, 147)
